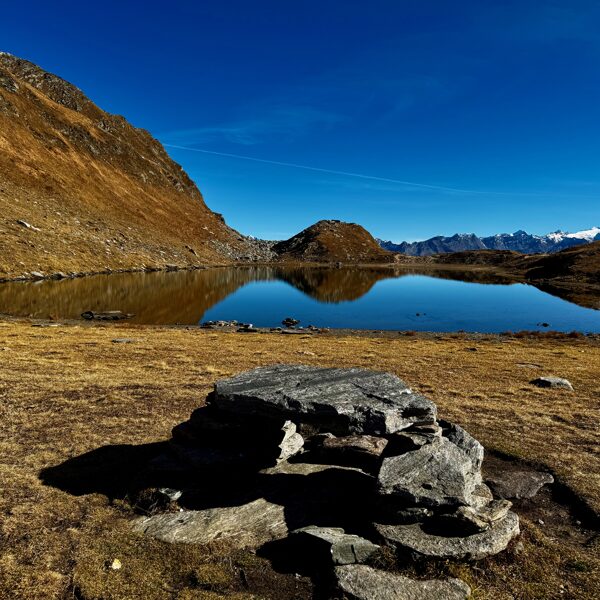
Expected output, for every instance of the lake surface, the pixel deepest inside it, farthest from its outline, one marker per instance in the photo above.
(345, 298)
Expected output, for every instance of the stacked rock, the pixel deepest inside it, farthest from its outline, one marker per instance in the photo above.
(212, 439)
(429, 498)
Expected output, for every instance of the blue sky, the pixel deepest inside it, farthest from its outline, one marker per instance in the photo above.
(465, 116)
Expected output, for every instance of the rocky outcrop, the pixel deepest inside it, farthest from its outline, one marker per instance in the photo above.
(409, 481)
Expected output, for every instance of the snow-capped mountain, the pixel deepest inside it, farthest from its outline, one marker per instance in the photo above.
(519, 241)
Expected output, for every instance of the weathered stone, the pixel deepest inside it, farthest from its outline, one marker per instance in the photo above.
(465, 441)
(417, 540)
(333, 544)
(342, 401)
(518, 485)
(483, 518)
(360, 582)
(553, 382)
(357, 450)
(248, 526)
(482, 496)
(437, 474)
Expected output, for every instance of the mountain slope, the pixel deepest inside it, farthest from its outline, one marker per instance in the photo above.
(83, 190)
(333, 241)
(520, 241)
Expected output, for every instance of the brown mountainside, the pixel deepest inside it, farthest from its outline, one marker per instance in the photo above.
(98, 192)
(333, 241)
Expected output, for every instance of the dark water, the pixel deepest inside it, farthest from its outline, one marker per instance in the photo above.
(348, 298)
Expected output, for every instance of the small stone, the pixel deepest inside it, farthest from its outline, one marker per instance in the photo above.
(518, 485)
(553, 382)
(116, 564)
(483, 518)
(170, 494)
(360, 582)
(334, 545)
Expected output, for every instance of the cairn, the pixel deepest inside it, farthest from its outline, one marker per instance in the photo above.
(421, 486)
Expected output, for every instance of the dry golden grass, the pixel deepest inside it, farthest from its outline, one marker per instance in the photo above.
(67, 390)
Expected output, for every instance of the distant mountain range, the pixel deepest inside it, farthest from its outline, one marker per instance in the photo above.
(519, 241)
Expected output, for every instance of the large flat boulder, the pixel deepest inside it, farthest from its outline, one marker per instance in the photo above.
(418, 541)
(437, 474)
(360, 582)
(340, 401)
(247, 526)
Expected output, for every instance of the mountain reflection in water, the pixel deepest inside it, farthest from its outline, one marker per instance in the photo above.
(184, 297)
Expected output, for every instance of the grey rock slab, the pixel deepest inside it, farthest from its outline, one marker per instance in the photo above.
(360, 582)
(518, 485)
(334, 544)
(248, 526)
(553, 382)
(421, 543)
(342, 401)
(465, 441)
(435, 475)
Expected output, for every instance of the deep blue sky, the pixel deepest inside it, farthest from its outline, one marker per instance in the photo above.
(495, 104)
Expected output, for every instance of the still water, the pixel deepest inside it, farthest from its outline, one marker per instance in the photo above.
(347, 298)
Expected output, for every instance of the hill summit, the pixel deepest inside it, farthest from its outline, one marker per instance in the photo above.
(333, 241)
(83, 190)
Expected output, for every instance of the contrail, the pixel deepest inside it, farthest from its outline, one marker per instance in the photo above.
(332, 172)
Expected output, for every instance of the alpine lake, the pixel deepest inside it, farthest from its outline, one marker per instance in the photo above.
(346, 298)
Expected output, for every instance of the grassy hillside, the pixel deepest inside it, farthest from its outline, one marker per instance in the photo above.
(97, 192)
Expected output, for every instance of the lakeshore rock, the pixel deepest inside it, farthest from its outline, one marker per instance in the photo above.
(341, 401)
(553, 382)
(360, 582)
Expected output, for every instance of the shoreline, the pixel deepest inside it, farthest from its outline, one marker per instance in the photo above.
(323, 332)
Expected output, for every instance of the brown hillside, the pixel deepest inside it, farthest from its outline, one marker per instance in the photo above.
(98, 192)
(333, 241)
(580, 262)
